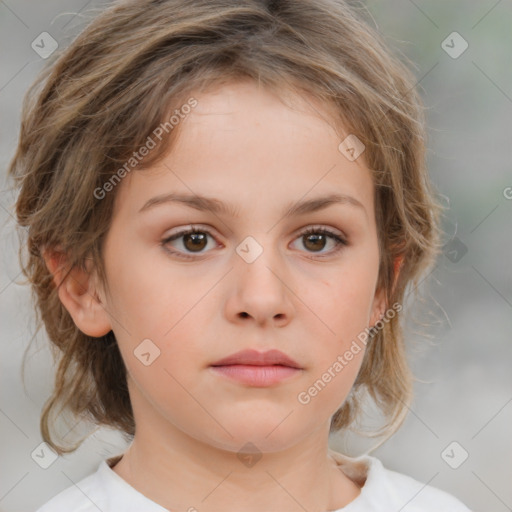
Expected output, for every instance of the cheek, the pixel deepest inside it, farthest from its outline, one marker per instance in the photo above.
(148, 297)
(342, 303)
(337, 363)
(342, 307)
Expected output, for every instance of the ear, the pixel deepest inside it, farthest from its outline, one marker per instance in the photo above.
(79, 293)
(378, 306)
(379, 302)
(396, 268)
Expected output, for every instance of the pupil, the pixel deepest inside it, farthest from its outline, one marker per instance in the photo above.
(197, 241)
(315, 238)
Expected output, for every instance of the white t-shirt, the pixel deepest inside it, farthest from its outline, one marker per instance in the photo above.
(382, 490)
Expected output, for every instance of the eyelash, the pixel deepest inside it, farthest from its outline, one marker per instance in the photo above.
(339, 241)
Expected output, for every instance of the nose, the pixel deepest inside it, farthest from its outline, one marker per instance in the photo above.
(261, 291)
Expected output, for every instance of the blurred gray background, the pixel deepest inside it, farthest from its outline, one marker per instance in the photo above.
(456, 435)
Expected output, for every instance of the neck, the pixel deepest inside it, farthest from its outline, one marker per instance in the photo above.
(181, 473)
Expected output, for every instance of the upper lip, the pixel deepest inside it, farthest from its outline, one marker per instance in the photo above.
(253, 357)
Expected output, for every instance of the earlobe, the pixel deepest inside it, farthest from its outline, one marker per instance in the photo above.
(78, 293)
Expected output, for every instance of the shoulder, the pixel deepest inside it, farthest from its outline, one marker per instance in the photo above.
(417, 495)
(385, 490)
(80, 497)
(103, 490)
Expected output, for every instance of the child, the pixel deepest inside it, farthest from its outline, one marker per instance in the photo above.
(177, 166)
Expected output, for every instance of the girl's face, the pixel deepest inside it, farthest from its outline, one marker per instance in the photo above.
(251, 176)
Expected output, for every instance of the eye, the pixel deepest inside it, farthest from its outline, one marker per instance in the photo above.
(193, 240)
(315, 239)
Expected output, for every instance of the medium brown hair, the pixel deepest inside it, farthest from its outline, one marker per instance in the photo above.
(102, 97)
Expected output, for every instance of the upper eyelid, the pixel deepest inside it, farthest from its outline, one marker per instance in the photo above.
(191, 229)
(339, 237)
(199, 228)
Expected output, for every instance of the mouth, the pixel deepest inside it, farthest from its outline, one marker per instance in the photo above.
(258, 369)
(255, 358)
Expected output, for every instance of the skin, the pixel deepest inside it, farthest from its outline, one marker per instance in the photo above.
(244, 146)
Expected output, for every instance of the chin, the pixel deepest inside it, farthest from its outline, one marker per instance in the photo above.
(257, 437)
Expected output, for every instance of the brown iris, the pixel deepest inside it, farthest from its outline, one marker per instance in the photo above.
(314, 241)
(195, 241)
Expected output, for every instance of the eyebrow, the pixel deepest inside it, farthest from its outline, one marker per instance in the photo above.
(216, 206)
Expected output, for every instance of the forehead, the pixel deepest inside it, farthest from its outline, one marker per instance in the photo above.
(244, 142)
(245, 104)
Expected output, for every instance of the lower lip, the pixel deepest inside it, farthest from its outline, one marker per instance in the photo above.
(256, 375)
